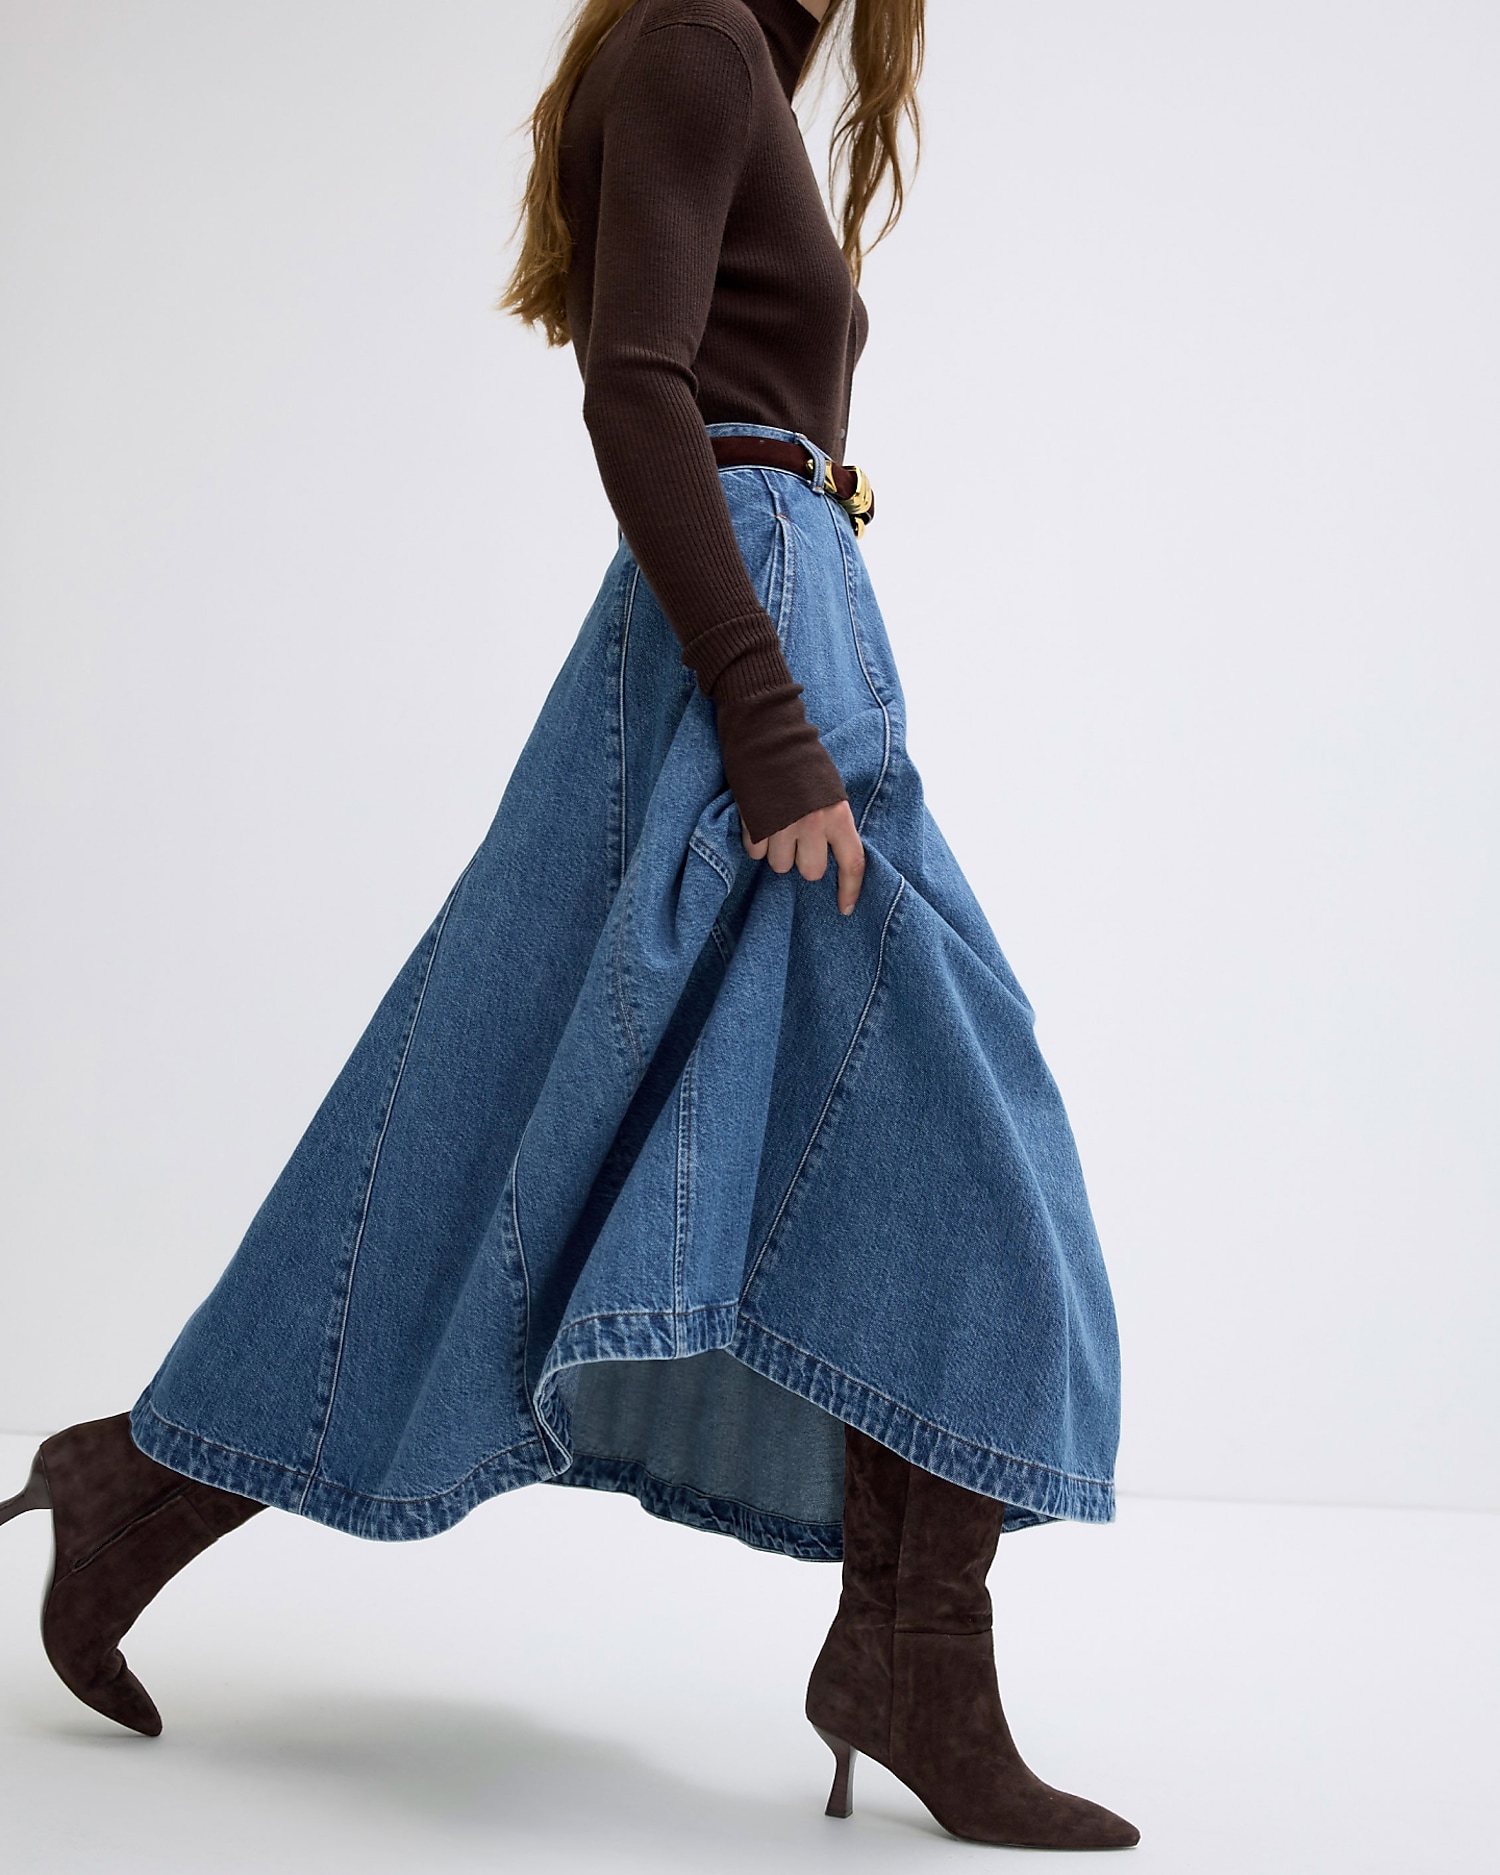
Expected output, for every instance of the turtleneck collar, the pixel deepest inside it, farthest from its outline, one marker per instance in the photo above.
(789, 29)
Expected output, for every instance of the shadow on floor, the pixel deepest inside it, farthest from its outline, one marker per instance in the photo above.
(456, 1773)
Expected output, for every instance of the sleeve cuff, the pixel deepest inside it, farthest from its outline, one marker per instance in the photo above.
(774, 759)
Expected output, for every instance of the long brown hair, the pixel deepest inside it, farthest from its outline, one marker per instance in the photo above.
(880, 60)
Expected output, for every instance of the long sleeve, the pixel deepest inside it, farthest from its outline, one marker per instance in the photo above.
(676, 129)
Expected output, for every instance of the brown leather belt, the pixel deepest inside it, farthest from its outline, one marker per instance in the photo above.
(847, 485)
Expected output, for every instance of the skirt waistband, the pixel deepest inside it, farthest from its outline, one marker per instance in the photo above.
(845, 483)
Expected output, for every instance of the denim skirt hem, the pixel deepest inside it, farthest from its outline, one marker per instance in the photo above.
(652, 1170)
(1032, 1494)
(391, 1520)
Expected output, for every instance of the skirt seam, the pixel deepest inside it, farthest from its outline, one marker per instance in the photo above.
(543, 1433)
(627, 616)
(374, 1173)
(859, 652)
(706, 853)
(837, 1081)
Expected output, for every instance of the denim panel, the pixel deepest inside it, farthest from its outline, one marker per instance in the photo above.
(733, 1435)
(1009, 1340)
(644, 1178)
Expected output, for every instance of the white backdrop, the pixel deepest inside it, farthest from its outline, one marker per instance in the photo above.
(1182, 405)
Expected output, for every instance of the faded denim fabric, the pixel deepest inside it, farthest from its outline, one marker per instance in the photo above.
(650, 1168)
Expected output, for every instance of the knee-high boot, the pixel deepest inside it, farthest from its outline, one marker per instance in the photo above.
(122, 1527)
(907, 1674)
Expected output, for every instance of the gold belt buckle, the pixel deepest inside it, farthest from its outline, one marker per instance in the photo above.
(860, 506)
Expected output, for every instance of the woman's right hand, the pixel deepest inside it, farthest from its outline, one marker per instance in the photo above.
(805, 844)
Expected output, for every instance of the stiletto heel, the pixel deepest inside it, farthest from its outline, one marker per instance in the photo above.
(33, 1495)
(841, 1797)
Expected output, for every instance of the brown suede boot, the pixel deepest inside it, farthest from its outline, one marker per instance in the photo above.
(122, 1527)
(907, 1674)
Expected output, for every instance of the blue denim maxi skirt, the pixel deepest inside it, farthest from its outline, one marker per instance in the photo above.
(650, 1168)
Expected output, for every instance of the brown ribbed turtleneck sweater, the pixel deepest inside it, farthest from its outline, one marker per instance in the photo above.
(707, 287)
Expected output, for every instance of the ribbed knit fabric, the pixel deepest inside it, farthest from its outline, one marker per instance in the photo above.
(707, 287)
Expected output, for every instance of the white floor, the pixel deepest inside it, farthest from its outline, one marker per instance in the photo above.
(564, 1684)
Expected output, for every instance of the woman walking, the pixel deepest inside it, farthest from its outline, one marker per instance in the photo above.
(740, 1187)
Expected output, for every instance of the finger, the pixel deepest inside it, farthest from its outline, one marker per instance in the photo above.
(849, 852)
(755, 848)
(781, 850)
(812, 855)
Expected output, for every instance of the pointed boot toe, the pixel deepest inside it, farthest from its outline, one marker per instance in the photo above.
(128, 1703)
(121, 1698)
(1112, 1831)
(1011, 1809)
(1068, 1822)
